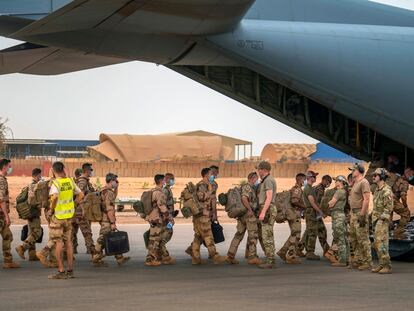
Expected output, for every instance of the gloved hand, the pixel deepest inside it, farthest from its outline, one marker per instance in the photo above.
(362, 221)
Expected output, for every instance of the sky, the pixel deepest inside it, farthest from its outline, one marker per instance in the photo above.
(133, 98)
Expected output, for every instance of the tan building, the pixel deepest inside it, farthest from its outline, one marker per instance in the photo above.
(291, 153)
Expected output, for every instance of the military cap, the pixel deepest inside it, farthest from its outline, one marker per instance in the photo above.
(342, 179)
(311, 174)
(264, 165)
(358, 167)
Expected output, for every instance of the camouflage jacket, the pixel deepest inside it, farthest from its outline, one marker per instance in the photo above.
(400, 188)
(169, 198)
(319, 191)
(85, 185)
(383, 203)
(4, 193)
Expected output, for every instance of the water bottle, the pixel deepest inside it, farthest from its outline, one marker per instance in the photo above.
(169, 226)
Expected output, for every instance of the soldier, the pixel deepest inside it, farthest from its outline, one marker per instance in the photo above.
(267, 213)
(213, 180)
(5, 232)
(108, 222)
(381, 217)
(202, 222)
(34, 224)
(312, 214)
(169, 182)
(339, 223)
(62, 210)
(157, 219)
(359, 197)
(400, 189)
(322, 233)
(77, 173)
(289, 251)
(79, 222)
(248, 222)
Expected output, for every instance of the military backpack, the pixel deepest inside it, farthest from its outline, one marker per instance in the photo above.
(282, 205)
(24, 209)
(92, 206)
(146, 201)
(190, 205)
(234, 206)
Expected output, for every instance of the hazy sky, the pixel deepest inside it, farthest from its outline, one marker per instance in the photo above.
(134, 98)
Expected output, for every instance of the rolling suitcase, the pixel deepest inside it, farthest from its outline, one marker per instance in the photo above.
(217, 230)
(116, 243)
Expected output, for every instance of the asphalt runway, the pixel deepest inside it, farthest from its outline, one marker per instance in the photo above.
(309, 286)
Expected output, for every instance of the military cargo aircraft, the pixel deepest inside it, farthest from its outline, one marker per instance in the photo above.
(341, 71)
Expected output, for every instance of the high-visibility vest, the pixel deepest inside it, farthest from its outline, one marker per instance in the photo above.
(65, 206)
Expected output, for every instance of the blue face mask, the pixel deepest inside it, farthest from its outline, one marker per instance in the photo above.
(211, 179)
(305, 183)
(256, 184)
(9, 171)
(172, 182)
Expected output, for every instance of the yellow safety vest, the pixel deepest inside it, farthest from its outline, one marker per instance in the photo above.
(65, 207)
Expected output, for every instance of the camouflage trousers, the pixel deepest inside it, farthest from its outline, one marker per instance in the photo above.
(203, 233)
(7, 237)
(35, 231)
(166, 237)
(100, 242)
(154, 243)
(79, 222)
(340, 242)
(266, 234)
(249, 224)
(359, 238)
(318, 231)
(292, 244)
(404, 213)
(381, 242)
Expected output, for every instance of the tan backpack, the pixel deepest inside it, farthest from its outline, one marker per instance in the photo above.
(234, 206)
(190, 204)
(92, 206)
(282, 205)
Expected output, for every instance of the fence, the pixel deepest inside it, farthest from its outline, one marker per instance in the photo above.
(180, 169)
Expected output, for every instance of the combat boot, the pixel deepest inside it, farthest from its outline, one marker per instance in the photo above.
(339, 264)
(168, 261)
(282, 255)
(376, 269)
(385, 270)
(123, 260)
(198, 261)
(58, 276)
(255, 261)
(32, 255)
(153, 263)
(300, 253)
(218, 260)
(312, 256)
(42, 259)
(70, 274)
(267, 265)
(331, 257)
(20, 251)
(10, 265)
(232, 260)
(292, 260)
(364, 266)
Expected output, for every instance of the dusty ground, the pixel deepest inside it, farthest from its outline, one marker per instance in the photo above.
(133, 188)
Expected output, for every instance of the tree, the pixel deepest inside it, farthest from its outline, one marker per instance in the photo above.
(3, 131)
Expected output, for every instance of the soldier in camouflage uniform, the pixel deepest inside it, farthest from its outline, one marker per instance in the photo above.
(267, 213)
(381, 217)
(202, 222)
(289, 251)
(359, 198)
(34, 224)
(339, 222)
(321, 233)
(5, 232)
(79, 222)
(400, 189)
(312, 214)
(108, 222)
(169, 182)
(157, 219)
(247, 222)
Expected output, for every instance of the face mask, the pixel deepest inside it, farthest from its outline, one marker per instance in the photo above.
(211, 179)
(256, 184)
(164, 185)
(305, 183)
(9, 171)
(114, 185)
(92, 174)
(172, 182)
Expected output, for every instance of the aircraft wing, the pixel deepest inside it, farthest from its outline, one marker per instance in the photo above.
(184, 17)
(40, 60)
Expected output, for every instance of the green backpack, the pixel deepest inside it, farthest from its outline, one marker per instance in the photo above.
(22, 204)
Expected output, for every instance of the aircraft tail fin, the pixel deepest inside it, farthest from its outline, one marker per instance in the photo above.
(30, 58)
(363, 12)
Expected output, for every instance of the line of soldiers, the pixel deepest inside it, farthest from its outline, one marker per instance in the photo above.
(348, 206)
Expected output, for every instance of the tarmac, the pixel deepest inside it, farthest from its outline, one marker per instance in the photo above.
(313, 285)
